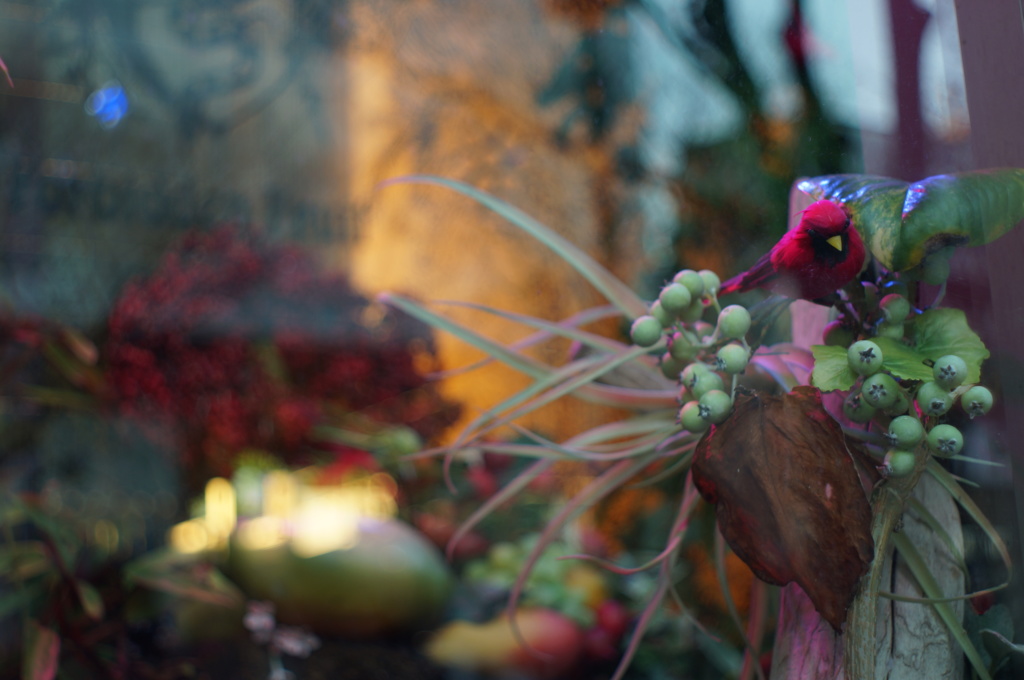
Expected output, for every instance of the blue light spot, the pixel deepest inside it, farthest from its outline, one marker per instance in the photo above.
(108, 105)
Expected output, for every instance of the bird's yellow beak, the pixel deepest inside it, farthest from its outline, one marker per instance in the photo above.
(835, 241)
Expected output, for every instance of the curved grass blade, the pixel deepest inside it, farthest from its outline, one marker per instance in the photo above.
(948, 482)
(616, 292)
(516, 360)
(597, 489)
(507, 492)
(730, 603)
(551, 329)
(924, 578)
(926, 516)
(587, 316)
(544, 392)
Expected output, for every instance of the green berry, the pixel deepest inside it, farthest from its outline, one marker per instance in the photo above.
(681, 348)
(949, 371)
(890, 330)
(837, 334)
(899, 462)
(711, 281)
(675, 298)
(880, 390)
(715, 406)
(661, 314)
(900, 406)
(691, 374)
(694, 312)
(734, 322)
(706, 382)
(865, 357)
(932, 399)
(976, 401)
(905, 432)
(691, 280)
(858, 410)
(691, 419)
(645, 331)
(732, 358)
(945, 440)
(671, 367)
(703, 329)
(895, 308)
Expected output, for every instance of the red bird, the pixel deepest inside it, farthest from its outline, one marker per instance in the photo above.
(812, 261)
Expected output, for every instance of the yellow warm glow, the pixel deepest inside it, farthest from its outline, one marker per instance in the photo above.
(190, 537)
(221, 510)
(313, 519)
(327, 518)
(262, 533)
(280, 494)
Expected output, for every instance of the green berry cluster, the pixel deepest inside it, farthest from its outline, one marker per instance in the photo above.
(705, 359)
(915, 409)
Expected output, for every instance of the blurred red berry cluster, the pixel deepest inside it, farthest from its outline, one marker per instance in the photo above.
(246, 344)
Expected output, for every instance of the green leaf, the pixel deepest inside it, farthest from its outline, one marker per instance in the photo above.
(903, 361)
(999, 647)
(997, 619)
(938, 332)
(89, 597)
(902, 223)
(183, 576)
(42, 652)
(831, 368)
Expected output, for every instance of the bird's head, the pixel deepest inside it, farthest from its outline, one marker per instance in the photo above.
(827, 223)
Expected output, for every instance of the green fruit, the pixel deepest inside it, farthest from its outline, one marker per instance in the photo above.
(692, 373)
(690, 418)
(715, 406)
(692, 280)
(900, 406)
(880, 390)
(949, 371)
(661, 314)
(681, 348)
(837, 334)
(706, 382)
(858, 410)
(933, 400)
(703, 329)
(899, 462)
(711, 281)
(895, 308)
(671, 367)
(694, 312)
(675, 298)
(732, 358)
(905, 432)
(945, 440)
(645, 331)
(734, 322)
(865, 357)
(976, 401)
